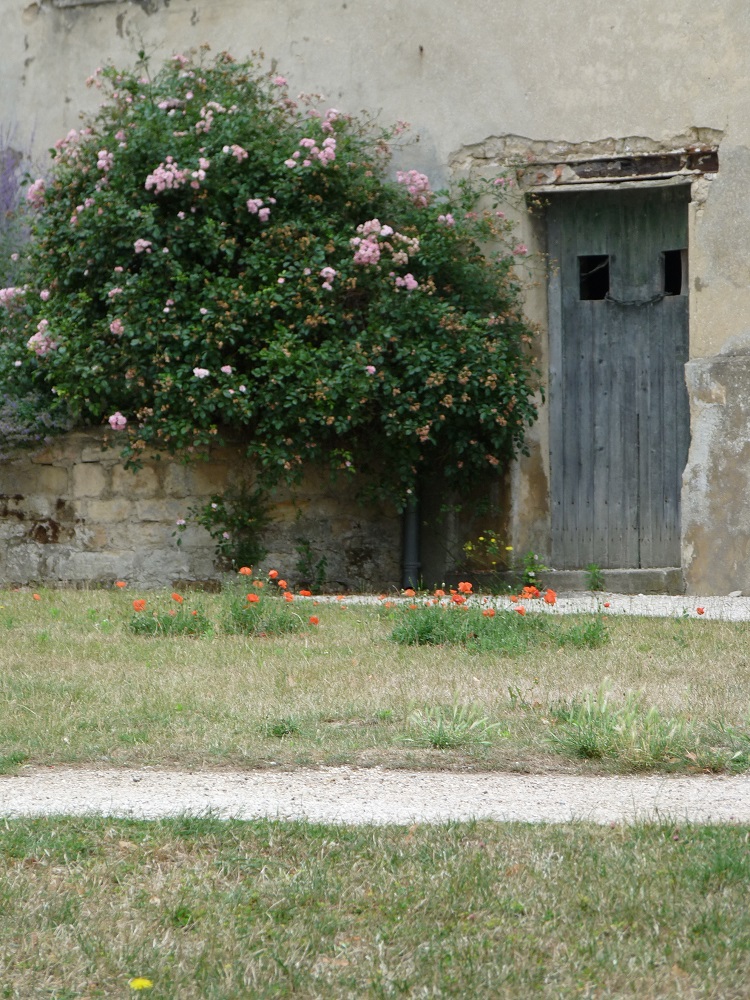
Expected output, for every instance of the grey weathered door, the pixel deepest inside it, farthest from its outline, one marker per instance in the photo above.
(619, 419)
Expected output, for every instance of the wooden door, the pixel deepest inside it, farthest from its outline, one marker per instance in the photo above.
(619, 418)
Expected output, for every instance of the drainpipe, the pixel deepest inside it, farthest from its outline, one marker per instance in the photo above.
(410, 547)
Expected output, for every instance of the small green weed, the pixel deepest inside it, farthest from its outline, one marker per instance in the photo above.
(594, 577)
(281, 728)
(312, 571)
(531, 568)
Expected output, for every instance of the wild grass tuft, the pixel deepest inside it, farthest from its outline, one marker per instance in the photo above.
(637, 737)
(457, 727)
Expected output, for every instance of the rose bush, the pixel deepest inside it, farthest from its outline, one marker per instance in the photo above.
(211, 259)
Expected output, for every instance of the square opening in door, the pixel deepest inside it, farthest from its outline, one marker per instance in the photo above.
(593, 276)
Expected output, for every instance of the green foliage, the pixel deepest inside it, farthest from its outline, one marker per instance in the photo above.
(311, 571)
(193, 278)
(530, 569)
(487, 551)
(594, 577)
(235, 521)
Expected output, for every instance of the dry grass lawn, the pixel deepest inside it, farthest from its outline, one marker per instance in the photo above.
(76, 686)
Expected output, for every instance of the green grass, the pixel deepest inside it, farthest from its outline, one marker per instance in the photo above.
(505, 632)
(213, 910)
(78, 687)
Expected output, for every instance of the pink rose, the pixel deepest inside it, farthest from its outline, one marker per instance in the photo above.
(117, 422)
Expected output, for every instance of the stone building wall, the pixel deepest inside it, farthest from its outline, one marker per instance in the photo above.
(485, 85)
(71, 513)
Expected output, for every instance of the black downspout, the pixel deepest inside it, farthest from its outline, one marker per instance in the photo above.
(410, 549)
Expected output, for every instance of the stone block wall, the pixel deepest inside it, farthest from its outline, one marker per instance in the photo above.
(72, 514)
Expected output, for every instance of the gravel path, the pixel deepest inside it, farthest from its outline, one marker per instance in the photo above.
(348, 795)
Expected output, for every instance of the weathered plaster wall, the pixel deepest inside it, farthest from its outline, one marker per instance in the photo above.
(72, 514)
(464, 74)
(716, 494)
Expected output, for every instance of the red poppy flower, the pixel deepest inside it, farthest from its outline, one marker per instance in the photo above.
(288, 596)
(489, 612)
(305, 593)
(458, 599)
(464, 587)
(272, 574)
(120, 583)
(282, 584)
(245, 570)
(521, 611)
(36, 597)
(258, 584)
(314, 620)
(253, 598)
(176, 597)
(409, 592)
(550, 597)
(701, 611)
(606, 604)
(139, 605)
(439, 593)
